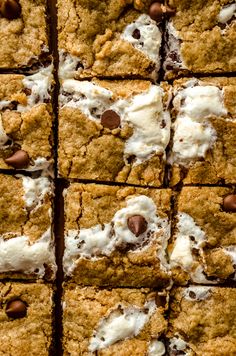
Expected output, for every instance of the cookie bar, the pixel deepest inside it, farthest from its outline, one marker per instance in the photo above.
(108, 39)
(202, 321)
(25, 319)
(204, 246)
(26, 241)
(200, 37)
(204, 129)
(114, 131)
(23, 33)
(116, 236)
(26, 121)
(113, 322)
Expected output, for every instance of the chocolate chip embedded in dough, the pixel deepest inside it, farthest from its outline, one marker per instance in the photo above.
(19, 160)
(136, 34)
(229, 203)
(16, 309)
(137, 224)
(10, 9)
(156, 11)
(110, 119)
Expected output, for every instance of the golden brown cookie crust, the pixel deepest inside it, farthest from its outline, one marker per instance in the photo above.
(208, 325)
(32, 334)
(85, 307)
(24, 40)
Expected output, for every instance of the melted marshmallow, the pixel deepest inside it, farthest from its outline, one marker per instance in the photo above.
(40, 86)
(143, 112)
(182, 252)
(18, 254)
(226, 13)
(197, 293)
(156, 348)
(99, 240)
(35, 190)
(193, 133)
(150, 37)
(122, 323)
(68, 65)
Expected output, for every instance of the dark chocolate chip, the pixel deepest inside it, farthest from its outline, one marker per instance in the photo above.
(136, 34)
(163, 124)
(160, 300)
(10, 9)
(27, 91)
(20, 159)
(229, 203)
(16, 309)
(137, 224)
(156, 12)
(192, 294)
(110, 119)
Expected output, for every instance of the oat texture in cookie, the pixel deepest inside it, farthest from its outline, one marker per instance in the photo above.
(202, 321)
(25, 319)
(113, 322)
(23, 33)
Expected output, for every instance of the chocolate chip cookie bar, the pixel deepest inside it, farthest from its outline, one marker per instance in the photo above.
(203, 149)
(116, 236)
(108, 39)
(203, 249)
(26, 121)
(200, 37)
(113, 322)
(114, 131)
(26, 241)
(23, 33)
(202, 321)
(25, 319)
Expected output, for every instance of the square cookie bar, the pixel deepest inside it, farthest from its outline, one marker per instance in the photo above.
(23, 33)
(113, 322)
(26, 121)
(203, 249)
(114, 131)
(25, 319)
(200, 37)
(203, 149)
(116, 236)
(202, 321)
(26, 238)
(108, 39)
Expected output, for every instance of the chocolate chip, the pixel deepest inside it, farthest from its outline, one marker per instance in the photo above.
(20, 159)
(229, 203)
(136, 34)
(160, 300)
(156, 12)
(137, 224)
(10, 9)
(192, 294)
(110, 119)
(27, 91)
(16, 309)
